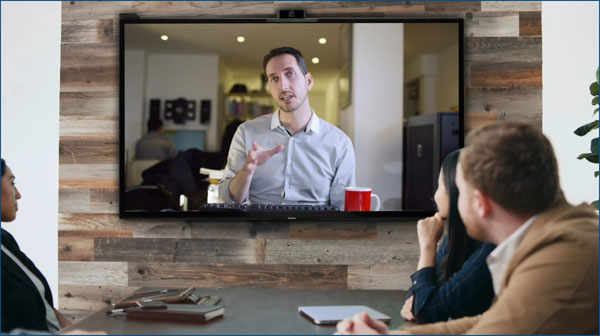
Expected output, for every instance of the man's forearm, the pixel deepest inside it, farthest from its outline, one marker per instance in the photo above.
(239, 186)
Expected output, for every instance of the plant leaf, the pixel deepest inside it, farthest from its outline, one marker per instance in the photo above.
(595, 204)
(595, 101)
(595, 111)
(585, 129)
(594, 89)
(591, 157)
(596, 173)
(597, 69)
(594, 146)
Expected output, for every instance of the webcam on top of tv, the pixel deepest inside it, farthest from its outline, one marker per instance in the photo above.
(291, 14)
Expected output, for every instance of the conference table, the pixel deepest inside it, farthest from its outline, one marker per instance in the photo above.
(256, 311)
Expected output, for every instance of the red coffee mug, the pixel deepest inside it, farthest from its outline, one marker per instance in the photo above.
(359, 199)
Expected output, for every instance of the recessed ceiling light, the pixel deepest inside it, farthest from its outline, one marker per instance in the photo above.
(322, 40)
(315, 60)
(164, 37)
(241, 39)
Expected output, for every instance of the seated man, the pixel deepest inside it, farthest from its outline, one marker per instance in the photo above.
(310, 161)
(154, 146)
(545, 266)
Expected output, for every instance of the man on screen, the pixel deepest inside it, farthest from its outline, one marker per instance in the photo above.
(290, 156)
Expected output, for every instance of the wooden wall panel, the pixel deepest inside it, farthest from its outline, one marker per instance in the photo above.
(81, 273)
(337, 252)
(492, 24)
(75, 248)
(85, 149)
(88, 31)
(506, 74)
(381, 276)
(511, 6)
(251, 276)
(215, 230)
(334, 231)
(104, 104)
(102, 258)
(232, 251)
(506, 49)
(530, 24)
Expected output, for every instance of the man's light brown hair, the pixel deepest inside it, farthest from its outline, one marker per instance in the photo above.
(514, 164)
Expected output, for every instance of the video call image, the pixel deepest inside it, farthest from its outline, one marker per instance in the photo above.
(207, 128)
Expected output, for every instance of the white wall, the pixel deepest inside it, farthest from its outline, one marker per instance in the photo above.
(447, 79)
(30, 131)
(377, 96)
(318, 103)
(425, 68)
(570, 56)
(332, 102)
(193, 77)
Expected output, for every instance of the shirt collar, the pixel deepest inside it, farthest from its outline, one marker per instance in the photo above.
(498, 259)
(313, 123)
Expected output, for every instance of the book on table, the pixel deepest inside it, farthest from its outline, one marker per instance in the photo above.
(177, 312)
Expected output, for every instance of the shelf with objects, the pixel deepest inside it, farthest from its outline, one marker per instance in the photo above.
(247, 106)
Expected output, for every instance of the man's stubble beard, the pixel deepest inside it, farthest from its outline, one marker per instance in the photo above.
(294, 108)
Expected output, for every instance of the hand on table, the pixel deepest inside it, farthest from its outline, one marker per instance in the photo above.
(407, 310)
(361, 324)
(258, 156)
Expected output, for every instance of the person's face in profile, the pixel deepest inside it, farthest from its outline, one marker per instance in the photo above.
(10, 195)
(289, 86)
(466, 206)
(442, 199)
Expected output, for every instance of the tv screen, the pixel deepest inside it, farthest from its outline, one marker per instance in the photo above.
(357, 131)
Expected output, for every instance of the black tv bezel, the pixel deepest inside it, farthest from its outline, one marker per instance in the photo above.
(272, 215)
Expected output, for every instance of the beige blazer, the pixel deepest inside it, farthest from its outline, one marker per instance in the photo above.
(551, 282)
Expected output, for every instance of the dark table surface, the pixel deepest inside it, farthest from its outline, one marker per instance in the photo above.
(256, 311)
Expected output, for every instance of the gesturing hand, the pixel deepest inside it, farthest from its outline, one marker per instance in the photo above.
(429, 230)
(258, 156)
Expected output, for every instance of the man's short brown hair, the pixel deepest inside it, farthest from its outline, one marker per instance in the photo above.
(286, 51)
(514, 164)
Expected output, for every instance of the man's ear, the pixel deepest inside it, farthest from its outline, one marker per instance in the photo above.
(482, 204)
(309, 81)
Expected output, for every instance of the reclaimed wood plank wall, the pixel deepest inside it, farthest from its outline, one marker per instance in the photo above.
(102, 258)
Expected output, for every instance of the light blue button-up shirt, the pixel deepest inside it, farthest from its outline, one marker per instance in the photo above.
(315, 166)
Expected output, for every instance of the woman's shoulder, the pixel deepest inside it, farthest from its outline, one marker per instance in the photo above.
(484, 246)
(480, 250)
(8, 240)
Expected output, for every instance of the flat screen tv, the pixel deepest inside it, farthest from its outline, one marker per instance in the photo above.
(385, 94)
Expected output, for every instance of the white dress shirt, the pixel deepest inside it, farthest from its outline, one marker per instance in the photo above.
(315, 166)
(498, 259)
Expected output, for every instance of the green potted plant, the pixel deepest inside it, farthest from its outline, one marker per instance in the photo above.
(592, 156)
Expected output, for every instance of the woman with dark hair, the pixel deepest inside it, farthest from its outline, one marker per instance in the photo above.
(454, 282)
(26, 297)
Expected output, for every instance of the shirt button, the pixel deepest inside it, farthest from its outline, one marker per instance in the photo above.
(415, 282)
